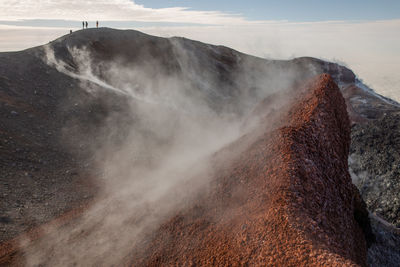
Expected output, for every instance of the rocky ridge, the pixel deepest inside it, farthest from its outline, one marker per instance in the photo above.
(286, 200)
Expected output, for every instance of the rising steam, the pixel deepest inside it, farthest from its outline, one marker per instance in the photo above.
(181, 120)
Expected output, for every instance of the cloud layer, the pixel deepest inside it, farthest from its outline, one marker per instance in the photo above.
(369, 48)
(114, 10)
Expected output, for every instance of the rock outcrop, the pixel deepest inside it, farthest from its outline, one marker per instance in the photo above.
(287, 199)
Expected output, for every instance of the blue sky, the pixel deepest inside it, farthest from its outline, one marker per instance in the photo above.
(129, 13)
(292, 10)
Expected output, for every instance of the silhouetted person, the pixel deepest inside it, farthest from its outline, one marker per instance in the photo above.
(86, 24)
(70, 31)
(97, 24)
(83, 25)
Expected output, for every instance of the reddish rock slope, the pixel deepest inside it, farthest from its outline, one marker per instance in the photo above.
(287, 199)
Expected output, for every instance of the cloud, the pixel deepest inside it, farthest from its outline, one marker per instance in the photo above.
(16, 38)
(114, 10)
(369, 48)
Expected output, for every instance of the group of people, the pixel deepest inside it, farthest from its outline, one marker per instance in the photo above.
(85, 24)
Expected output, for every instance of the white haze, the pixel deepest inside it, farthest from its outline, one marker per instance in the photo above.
(163, 164)
(369, 48)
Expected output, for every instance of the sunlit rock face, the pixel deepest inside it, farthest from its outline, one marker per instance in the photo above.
(286, 199)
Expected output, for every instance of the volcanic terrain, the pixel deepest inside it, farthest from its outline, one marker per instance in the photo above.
(90, 121)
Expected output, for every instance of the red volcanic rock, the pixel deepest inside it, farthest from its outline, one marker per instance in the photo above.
(285, 199)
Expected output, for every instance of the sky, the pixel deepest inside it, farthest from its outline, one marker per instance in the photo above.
(361, 34)
(292, 10)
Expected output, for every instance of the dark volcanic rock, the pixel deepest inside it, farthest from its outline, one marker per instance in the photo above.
(375, 162)
(385, 251)
(374, 166)
(375, 151)
(40, 115)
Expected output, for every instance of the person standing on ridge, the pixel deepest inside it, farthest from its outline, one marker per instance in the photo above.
(83, 25)
(86, 24)
(97, 23)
